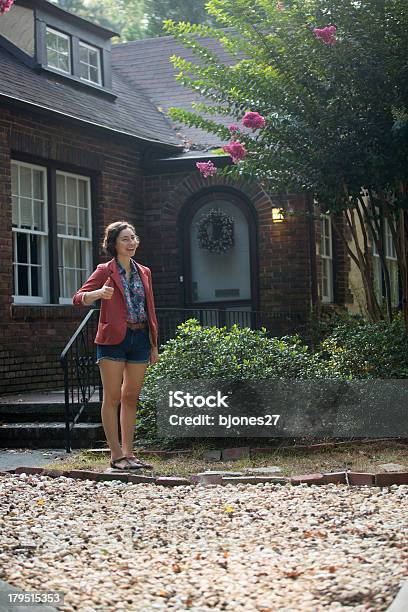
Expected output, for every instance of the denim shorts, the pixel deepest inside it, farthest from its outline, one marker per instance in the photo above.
(135, 348)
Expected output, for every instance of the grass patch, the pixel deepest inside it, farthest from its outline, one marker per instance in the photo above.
(358, 458)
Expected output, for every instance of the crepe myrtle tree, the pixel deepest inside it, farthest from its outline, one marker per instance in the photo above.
(330, 79)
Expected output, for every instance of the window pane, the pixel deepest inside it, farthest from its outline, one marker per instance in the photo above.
(15, 211)
(63, 63)
(22, 280)
(60, 189)
(25, 181)
(38, 216)
(93, 75)
(327, 248)
(63, 44)
(26, 213)
(93, 57)
(72, 191)
(52, 41)
(14, 279)
(69, 253)
(82, 259)
(83, 222)
(84, 71)
(60, 247)
(72, 221)
(35, 249)
(35, 281)
(38, 185)
(60, 219)
(83, 54)
(22, 253)
(52, 58)
(70, 279)
(83, 193)
(61, 277)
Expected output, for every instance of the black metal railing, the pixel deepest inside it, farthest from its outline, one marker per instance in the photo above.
(276, 323)
(81, 374)
(78, 359)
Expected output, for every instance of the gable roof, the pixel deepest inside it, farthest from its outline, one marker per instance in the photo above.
(146, 63)
(131, 113)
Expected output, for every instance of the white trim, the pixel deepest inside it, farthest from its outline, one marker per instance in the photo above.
(99, 67)
(66, 37)
(86, 240)
(327, 258)
(43, 238)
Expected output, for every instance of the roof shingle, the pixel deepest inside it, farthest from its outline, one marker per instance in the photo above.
(131, 113)
(146, 63)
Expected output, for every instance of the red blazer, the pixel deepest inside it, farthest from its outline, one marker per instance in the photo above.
(113, 315)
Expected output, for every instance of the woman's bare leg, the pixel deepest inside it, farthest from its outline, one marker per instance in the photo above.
(111, 375)
(133, 376)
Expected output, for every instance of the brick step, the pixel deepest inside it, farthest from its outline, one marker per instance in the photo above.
(43, 412)
(49, 435)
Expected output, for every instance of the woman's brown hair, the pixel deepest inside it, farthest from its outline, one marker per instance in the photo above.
(112, 231)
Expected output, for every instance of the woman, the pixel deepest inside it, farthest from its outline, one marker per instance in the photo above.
(126, 338)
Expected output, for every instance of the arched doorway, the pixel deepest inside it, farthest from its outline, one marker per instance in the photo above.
(224, 283)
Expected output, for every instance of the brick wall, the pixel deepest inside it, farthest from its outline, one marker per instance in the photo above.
(32, 337)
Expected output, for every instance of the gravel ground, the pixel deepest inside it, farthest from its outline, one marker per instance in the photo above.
(119, 547)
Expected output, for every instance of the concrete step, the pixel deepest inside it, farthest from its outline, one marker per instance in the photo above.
(49, 435)
(43, 412)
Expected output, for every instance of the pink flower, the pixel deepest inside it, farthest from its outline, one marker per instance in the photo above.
(233, 128)
(236, 150)
(207, 168)
(253, 120)
(326, 34)
(280, 6)
(5, 5)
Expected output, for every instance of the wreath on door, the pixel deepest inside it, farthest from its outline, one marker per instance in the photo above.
(216, 231)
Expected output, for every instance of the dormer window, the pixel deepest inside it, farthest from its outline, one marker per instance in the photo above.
(90, 63)
(58, 51)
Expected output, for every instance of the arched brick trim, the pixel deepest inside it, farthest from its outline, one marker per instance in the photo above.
(195, 185)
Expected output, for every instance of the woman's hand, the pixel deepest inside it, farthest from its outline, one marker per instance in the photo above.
(154, 354)
(106, 292)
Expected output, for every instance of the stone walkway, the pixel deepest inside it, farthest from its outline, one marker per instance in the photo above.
(13, 458)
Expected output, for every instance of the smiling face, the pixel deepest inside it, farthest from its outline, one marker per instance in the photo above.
(126, 243)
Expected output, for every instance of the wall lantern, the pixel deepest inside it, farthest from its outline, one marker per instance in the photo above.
(277, 215)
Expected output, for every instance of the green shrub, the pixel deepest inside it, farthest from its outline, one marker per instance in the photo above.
(354, 349)
(236, 354)
(357, 349)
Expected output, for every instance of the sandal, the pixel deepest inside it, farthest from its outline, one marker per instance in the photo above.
(138, 464)
(126, 468)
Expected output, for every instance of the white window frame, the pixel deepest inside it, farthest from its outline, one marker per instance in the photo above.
(391, 262)
(326, 258)
(45, 273)
(88, 251)
(66, 37)
(98, 52)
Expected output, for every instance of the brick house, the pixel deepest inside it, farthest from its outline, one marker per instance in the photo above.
(84, 141)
